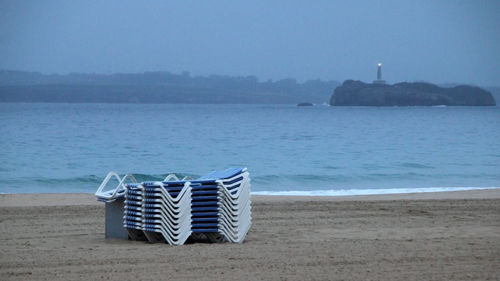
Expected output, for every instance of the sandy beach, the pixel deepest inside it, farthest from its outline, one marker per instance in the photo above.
(427, 236)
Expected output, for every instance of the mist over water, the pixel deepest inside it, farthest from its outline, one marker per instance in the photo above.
(315, 150)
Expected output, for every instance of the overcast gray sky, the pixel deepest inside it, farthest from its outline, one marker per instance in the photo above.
(435, 41)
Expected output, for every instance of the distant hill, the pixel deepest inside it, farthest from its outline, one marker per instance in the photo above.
(357, 93)
(157, 87)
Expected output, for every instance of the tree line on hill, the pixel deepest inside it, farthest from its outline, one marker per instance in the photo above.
(158, 87)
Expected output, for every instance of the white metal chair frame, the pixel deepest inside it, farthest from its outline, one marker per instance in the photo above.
(119, 189)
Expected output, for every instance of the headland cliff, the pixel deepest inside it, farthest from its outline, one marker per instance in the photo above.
(357, 93)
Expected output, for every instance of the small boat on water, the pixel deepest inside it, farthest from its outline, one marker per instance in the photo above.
(305, 104)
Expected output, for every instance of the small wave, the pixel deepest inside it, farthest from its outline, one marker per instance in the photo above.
(416, 166)
(2, 169)
(347, 192)
(84, 179)
(93, 179)
(331, 167)
(300, 178)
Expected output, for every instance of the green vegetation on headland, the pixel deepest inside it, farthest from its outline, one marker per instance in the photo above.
(157, 87)
(357, 93)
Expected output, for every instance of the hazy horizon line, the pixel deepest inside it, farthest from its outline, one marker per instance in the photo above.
(259, 80)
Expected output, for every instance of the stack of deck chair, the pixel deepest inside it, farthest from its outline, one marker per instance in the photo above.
(216, 206)
(158, 211)
(233, 204)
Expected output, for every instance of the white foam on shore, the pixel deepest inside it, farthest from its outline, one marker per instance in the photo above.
(348, 192)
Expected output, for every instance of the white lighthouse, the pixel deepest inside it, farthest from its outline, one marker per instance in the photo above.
(379, 75)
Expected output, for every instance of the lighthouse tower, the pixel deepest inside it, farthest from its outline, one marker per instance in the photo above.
(379, 75)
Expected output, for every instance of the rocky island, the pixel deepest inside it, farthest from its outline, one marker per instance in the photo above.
(357, 93)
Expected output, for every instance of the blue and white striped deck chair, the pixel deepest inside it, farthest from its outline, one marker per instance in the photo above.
(236, 207)
(234, 213)
(154, 213)
(133, 212)
(167, 211)
(204, 209)
(111, 195)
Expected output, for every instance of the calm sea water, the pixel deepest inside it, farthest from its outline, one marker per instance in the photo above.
(288, 150)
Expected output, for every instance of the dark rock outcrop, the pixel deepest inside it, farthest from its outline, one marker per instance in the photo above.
(357, 93)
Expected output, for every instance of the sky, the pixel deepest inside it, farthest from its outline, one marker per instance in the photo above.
(436, 41)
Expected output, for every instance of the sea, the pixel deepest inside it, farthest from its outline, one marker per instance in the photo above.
(288, 150)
